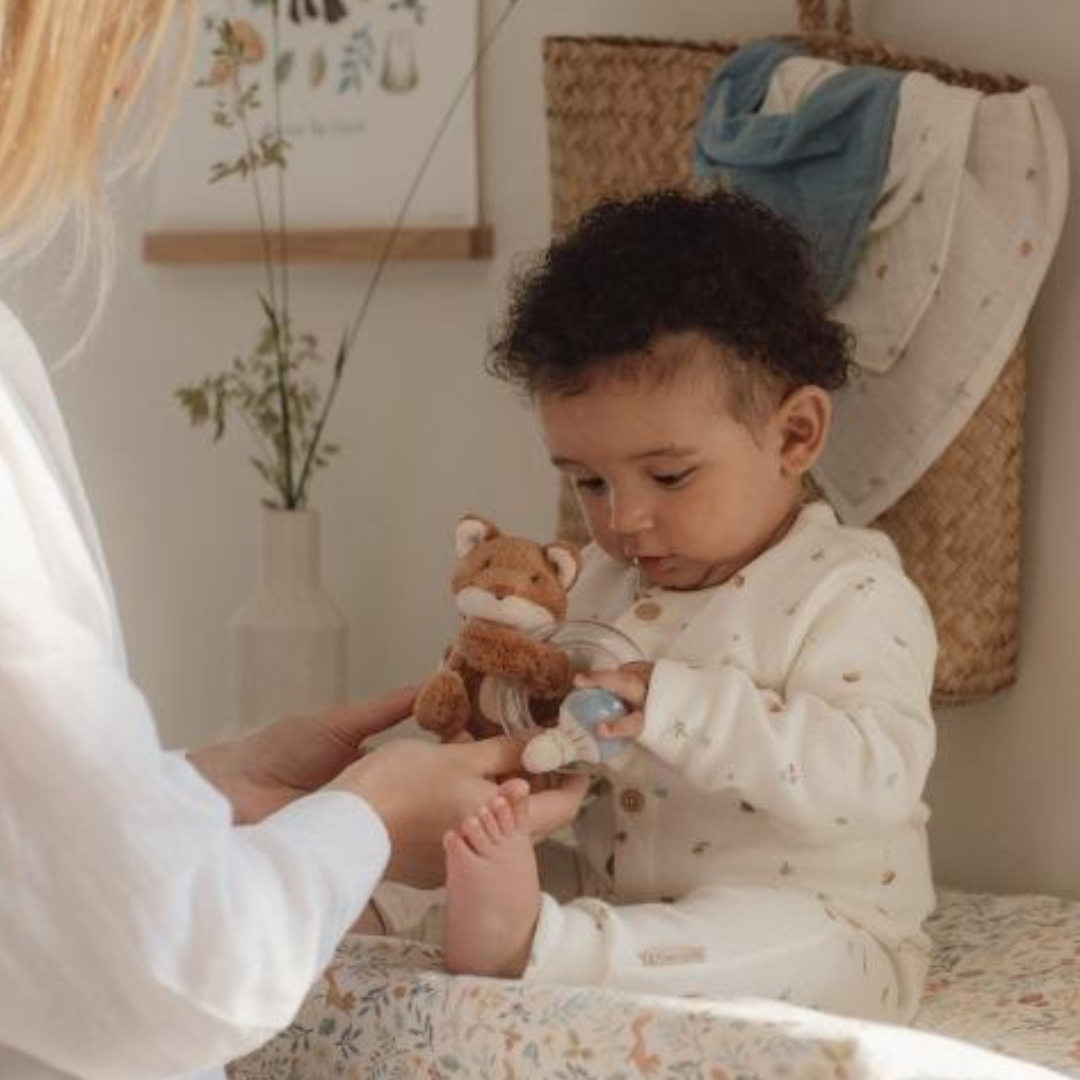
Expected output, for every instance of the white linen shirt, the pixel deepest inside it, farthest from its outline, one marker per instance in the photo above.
(788, 736)
(142, 935)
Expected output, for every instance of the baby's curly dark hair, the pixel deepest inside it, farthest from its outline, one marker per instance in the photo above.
(666, 263)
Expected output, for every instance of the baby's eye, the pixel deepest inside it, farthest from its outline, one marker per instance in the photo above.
(673, 480)
(590, 485)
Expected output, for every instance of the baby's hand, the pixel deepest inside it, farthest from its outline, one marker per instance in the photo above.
(630, 683)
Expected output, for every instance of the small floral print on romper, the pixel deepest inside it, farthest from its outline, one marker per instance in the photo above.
(600, 916)
(792, 774)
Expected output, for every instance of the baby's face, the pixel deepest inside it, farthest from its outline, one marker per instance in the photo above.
(667, 476)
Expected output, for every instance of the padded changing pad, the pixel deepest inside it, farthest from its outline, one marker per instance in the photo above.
(1006, 975)
(1005, 980)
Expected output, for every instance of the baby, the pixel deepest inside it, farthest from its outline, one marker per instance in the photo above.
(765, 833)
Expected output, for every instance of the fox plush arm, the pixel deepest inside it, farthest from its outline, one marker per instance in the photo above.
(507, 589)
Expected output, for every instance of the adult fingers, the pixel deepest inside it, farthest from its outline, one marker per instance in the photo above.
(358, 720)
(490, 757)
(551, 809)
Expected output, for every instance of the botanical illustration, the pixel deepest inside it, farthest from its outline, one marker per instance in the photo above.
(276, 77)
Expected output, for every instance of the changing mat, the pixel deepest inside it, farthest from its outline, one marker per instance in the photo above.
(1005, 978)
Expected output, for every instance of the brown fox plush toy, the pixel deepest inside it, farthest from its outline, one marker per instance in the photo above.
(507, 589)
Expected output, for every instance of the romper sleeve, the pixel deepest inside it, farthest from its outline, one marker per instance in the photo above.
(847, 741)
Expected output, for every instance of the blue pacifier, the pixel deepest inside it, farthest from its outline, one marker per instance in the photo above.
(572, 740)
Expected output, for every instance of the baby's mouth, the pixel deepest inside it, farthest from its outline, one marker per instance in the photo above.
(653, 564)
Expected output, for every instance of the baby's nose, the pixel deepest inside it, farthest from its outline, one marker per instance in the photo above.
(629, 516)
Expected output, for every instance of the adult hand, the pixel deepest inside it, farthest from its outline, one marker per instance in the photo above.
(422, 790)
(555, 799)
(265, 770)
(556, 804)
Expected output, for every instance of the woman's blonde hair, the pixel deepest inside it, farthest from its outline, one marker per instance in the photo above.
(73, 74)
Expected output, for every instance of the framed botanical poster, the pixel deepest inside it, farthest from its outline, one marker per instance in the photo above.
(362, 88)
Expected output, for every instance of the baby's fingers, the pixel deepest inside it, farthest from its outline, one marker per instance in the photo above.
(626, 727)
(625, 685)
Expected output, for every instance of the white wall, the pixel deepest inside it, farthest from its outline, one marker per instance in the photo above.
(419, 422)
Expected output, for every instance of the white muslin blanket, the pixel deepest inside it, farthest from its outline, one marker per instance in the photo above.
(958, 245)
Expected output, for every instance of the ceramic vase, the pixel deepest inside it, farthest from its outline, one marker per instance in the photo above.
(400, 73)
(288, 642)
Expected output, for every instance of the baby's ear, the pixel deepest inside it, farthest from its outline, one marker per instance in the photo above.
(805, 417)
(564, 558)
(472, 531)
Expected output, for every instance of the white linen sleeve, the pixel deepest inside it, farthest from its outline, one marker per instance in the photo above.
(846, 743)
(143, 935)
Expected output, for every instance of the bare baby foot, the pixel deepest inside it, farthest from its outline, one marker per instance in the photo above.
(492, 889)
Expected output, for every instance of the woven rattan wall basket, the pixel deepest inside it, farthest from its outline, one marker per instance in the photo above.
(621, 116)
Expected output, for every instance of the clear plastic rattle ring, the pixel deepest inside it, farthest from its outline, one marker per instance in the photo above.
(590, 646)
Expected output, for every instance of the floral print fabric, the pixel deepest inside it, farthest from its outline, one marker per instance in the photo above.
(1005, 978)
(1006, 975)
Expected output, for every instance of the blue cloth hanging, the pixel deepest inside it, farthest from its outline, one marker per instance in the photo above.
(822, 166)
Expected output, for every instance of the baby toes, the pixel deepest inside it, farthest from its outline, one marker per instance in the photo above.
(475, 834)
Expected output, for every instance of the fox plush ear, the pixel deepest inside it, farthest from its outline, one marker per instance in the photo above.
(471, 531)
(565, 560)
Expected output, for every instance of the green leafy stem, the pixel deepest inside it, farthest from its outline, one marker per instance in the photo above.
(271, 390)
